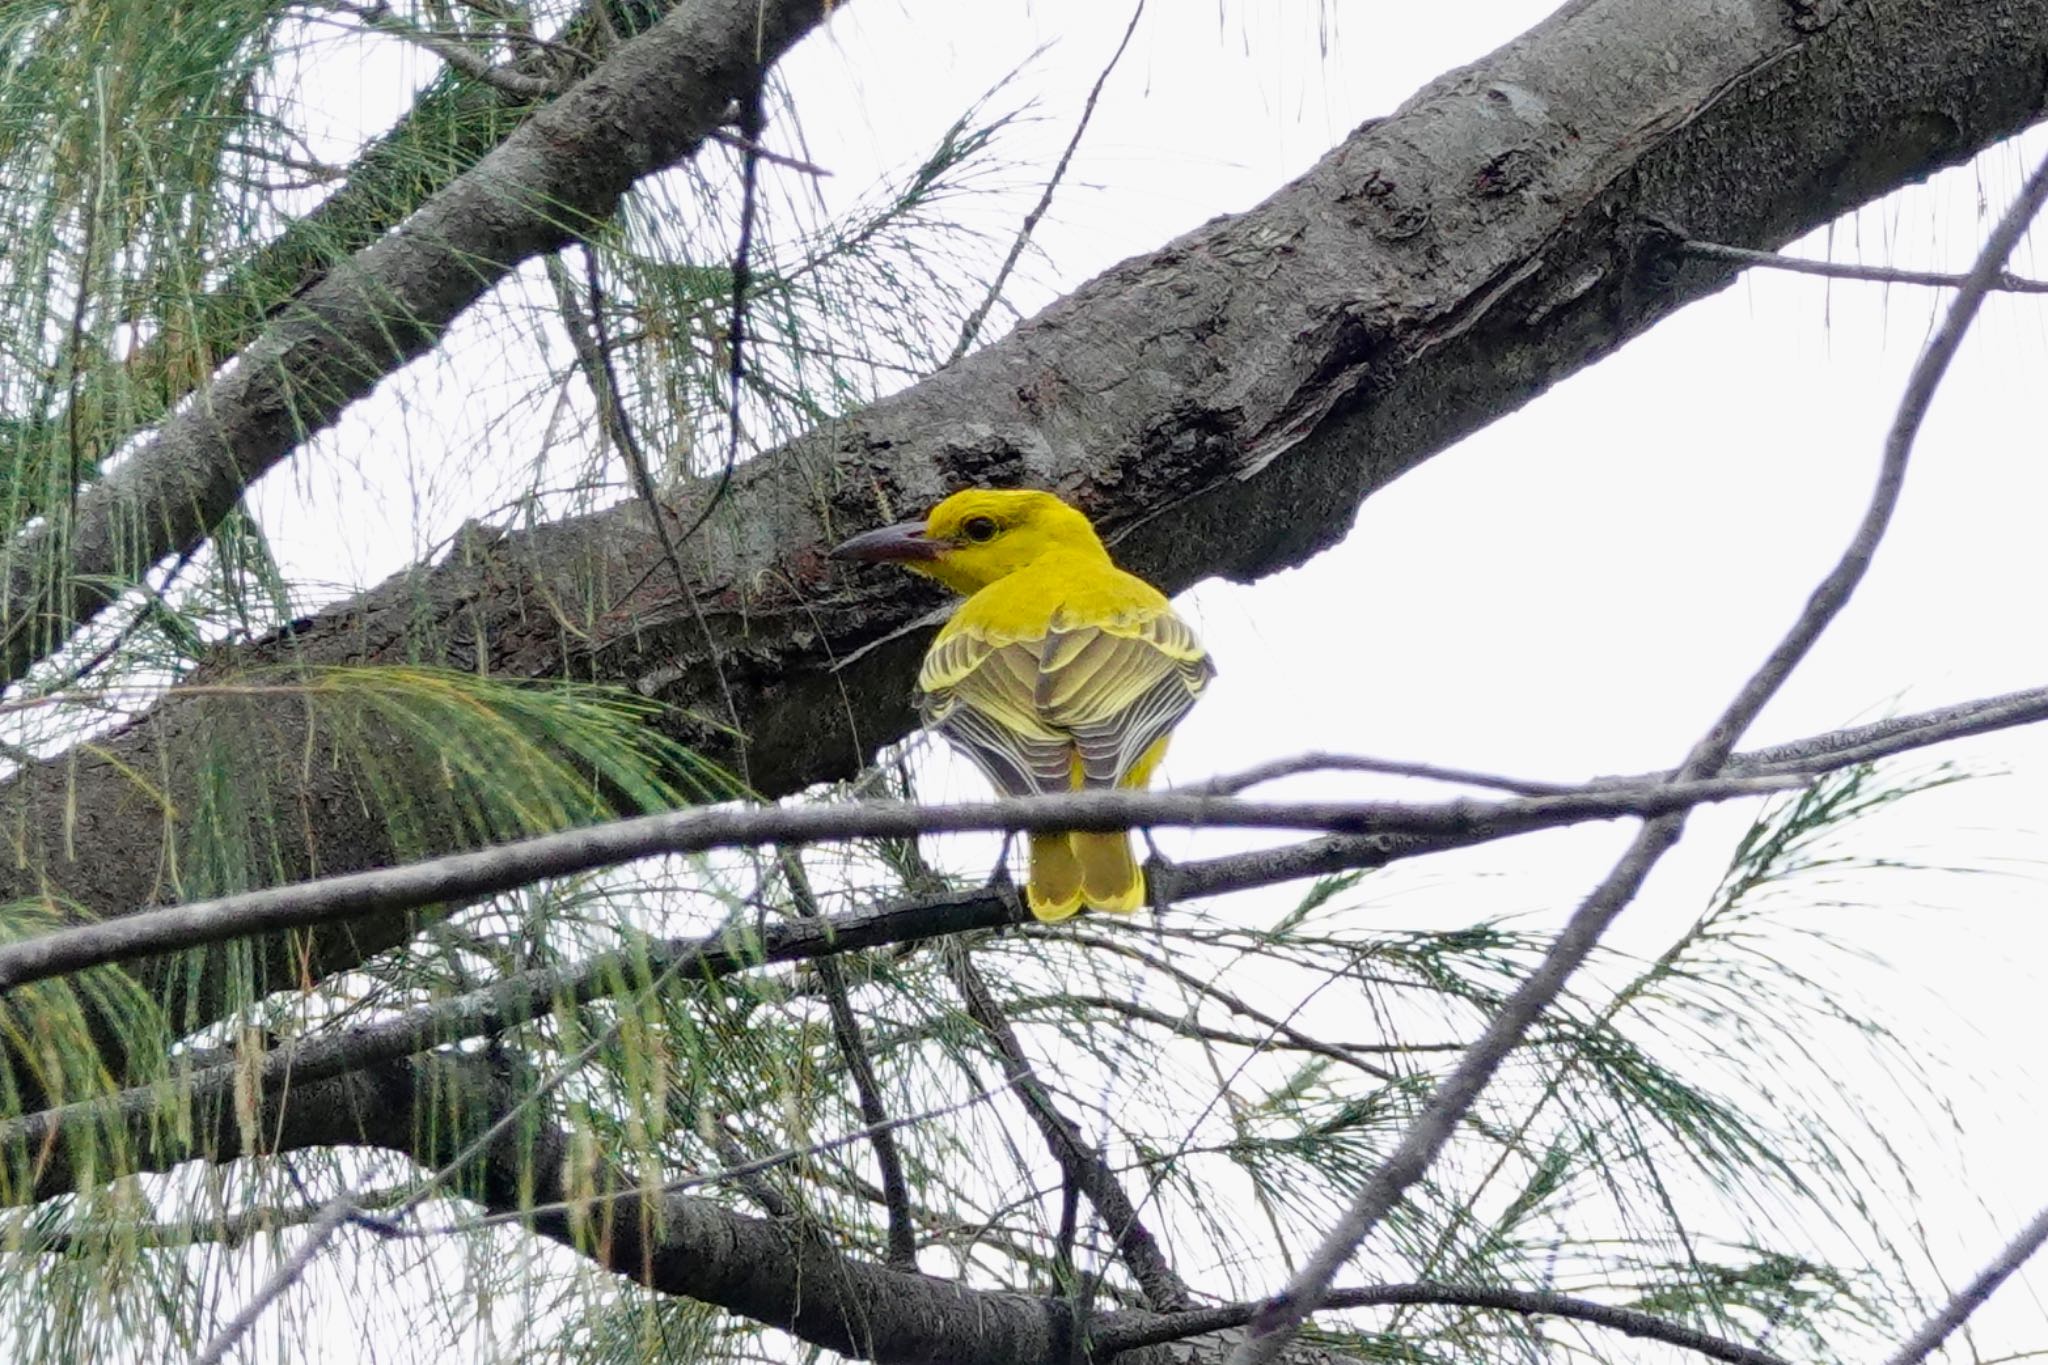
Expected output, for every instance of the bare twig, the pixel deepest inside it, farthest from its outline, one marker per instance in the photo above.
(971, 329)
(853, 1051)
(1282, 1316)
(318, 1234)
(451, 49)
(1319, 761)
(1082, 1165)
(2001, 282)
(468, 875)
(1129, 1331)
(594, 354)
(752, 121)
(696, 1182)
(1972, 1295)
(772, 157)
(547, 1085)
(772, 1201)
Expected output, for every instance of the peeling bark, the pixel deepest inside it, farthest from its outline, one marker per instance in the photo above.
(1220, 405)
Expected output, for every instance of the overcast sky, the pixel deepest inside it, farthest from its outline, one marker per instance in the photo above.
(1578, 588)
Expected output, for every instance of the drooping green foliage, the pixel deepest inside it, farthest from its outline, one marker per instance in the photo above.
(1660, 1142)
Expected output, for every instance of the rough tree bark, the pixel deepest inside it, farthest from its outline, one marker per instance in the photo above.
(1220, 406)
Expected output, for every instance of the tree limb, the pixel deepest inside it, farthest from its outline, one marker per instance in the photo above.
(563, 171)
(465, 876)
(1435, 270)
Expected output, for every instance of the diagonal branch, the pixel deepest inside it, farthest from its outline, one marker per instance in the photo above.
(853, 1051)
(564, 170)
(1283, 1315)
(448, 129)
(1084, 1166)
(971, 328)
(1971, 1296)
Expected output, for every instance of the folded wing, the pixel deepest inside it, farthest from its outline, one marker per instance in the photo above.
(1075, 707)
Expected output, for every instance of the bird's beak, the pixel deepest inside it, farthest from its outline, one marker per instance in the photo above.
(903, 543)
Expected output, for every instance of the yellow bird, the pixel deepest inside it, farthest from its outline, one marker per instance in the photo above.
(1059, 672)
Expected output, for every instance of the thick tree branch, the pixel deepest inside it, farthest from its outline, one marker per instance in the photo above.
(1220, 406)
(449, 128)
(673, 1242)
(1083, 1166)
(682, 1243)
(563, 171)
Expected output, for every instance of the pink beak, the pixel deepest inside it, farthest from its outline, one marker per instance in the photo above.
(903, 542)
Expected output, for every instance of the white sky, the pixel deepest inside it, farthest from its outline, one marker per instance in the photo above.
(1578, 588)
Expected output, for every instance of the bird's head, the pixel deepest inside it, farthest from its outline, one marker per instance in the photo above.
(977, 536)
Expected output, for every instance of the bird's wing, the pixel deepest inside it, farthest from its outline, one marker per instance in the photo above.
(978, 689)
(1118, 686)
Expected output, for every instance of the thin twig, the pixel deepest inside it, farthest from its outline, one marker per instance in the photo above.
(2001, 282)
(971, 329)
(318, 1234)
(1318, 761)
(752, 123)
(767, 1163)
(772, 1201)
(1282, 1316)
(1120, 1335)
(464, 876)
(1972, 1295)
(548, 1084)
(450, 49)
(1083, 1166)
(853, 1051)
(769, 155)
(594, 354)
(1209, 990)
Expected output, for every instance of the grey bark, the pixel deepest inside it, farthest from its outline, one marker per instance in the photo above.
(1220, 406)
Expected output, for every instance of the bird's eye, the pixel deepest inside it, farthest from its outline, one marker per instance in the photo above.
(979, 528)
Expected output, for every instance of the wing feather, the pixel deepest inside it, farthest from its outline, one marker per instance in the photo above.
(1079, 704)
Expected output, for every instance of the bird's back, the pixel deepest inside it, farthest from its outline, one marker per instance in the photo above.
(1067, 673)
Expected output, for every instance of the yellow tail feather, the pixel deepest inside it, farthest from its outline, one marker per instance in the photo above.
(1110, 877)
(1054, 889)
